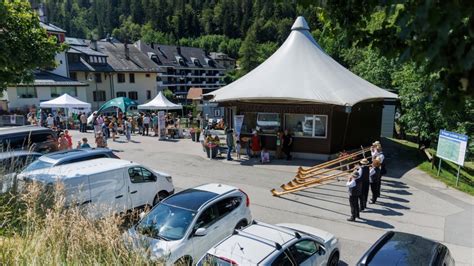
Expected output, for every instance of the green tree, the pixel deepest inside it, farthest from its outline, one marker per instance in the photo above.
(24, 45)
(248, 52)
(128, 31)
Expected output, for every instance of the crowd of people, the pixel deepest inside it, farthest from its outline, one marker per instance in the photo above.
(367, 176)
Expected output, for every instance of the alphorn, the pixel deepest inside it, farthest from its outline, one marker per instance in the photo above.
(291, 185)
(321, 171)
(332, 162)
(306, 186)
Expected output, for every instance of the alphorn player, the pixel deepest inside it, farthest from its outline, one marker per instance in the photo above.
(354, 188)
(363, 172)
(373, 149)
(375, 180)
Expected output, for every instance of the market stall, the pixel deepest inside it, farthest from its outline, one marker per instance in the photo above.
(70, 104)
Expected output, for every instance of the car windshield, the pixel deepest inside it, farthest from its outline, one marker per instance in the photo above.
(36, 165)
(166, 222)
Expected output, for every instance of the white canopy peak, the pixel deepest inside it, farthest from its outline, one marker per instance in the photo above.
(300, 24)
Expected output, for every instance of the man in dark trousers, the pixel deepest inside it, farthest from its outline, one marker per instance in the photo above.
(354, 186)
(375, 180)
(364, 177)
(287, 144)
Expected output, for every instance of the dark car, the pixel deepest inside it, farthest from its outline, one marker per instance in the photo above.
(12, 162)
(39, 139)
(69, 156)
(397, 248)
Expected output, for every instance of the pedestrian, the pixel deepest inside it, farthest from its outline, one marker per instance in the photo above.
(255, 142)
(50, 121)
(381, 158)
(146, 124)
(287, 144)
(279, 144)
(264, 156)
(113, 128)
(189, 122)
(83, 121)
(69, 139)
(229, 141)
(354, 188)
(43, 118)
(140, 124)
(363, 172)
(375, 180)
(63, 144)
(127, 128)
(237, 147)
(84, 144)
(100, 141)
(155, 124)
(177, 122)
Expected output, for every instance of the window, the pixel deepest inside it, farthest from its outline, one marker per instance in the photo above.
(73, 75)
(99, 96)
(307, 125)
(148, 94)
(121, 94)
(58, 91)
(98, 77)
(121, 78)
(140, 175)
(283, 260)
(303, 250)
(26, 92)
(148, 75)
(226, 206)
(131, 76)
(207, 217)
(133, 95)
(268, 122)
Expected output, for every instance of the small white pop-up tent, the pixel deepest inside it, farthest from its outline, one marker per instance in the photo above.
(160, 103)
(68, 102)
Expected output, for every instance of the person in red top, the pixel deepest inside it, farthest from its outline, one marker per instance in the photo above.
(255, 144)
(69, 139)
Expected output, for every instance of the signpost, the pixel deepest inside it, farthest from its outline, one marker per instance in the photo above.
(238, 121)
(451, 147)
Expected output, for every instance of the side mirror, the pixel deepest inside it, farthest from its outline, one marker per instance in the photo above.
(321, 250)
(200, 232)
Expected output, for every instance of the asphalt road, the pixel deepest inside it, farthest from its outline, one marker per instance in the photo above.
(411, 201)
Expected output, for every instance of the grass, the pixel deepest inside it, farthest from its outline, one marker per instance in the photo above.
(39, 230)
(448, 170)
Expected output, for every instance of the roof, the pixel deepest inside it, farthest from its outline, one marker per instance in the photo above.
(136, 61)
(60, 156)
(84, 66)
(168, 55)
(160, 102)
(194, 94)
(191, 199)
(45, 78)
(194, 198)
(7, 131)
(17, 153)
(51, 27)
(256, 242)
(65, 101)
(74, 170)
(301, 72)
(397, 248)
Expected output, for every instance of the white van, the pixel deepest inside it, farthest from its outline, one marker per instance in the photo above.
(106, 185)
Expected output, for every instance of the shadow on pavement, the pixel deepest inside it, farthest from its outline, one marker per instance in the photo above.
(384, 212)
(330, 201)
(397, 191)
(397, 199)
(311, 205)
(342, 263)
(393, 205)
(375, 223)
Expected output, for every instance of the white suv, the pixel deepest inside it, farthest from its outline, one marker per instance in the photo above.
(282, 245)
(182, 227)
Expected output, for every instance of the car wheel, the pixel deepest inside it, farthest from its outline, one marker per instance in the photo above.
(184, 261)
(241, 225)
(159, 197)
(334, 259)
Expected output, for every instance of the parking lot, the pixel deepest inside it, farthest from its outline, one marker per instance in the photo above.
(411, 201)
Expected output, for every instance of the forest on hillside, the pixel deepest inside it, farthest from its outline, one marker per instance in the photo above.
(422, 50)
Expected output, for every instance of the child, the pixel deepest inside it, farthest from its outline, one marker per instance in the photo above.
(237, 147)
(265, 156)
(83, 145)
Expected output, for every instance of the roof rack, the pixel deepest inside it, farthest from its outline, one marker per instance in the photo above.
(258, 238)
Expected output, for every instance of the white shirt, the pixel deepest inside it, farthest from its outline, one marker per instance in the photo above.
(146, 120)
(50, 121)
(380, 157)
(351, 183)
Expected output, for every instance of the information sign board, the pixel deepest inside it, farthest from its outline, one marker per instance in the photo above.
(452, 147)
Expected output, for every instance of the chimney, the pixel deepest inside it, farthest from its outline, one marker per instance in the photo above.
(94, 44)
(127, 51)
(178, 49)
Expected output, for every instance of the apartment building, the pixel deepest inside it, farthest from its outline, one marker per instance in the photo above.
(181, 68)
